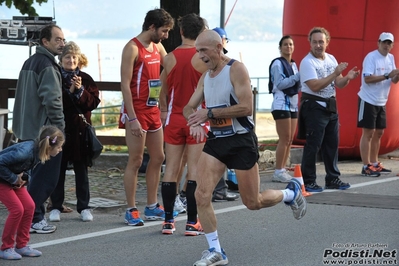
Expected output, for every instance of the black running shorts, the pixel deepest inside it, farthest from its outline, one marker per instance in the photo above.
(371, 116)
(239, 151)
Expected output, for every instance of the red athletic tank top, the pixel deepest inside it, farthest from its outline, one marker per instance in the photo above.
(182, 80)
(146, 72)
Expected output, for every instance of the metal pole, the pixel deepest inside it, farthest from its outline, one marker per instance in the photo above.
(222, 9)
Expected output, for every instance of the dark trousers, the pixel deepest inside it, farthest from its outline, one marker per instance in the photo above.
(44, 178)
(221, 186)
(321, 134)
(82, 187)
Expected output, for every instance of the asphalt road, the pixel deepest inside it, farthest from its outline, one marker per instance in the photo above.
(265, 237)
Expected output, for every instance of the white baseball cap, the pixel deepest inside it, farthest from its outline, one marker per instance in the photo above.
(386, 36)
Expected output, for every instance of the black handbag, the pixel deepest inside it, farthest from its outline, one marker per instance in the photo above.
(94, 146)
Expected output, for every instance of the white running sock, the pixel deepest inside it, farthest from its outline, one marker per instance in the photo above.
(213, 241)
(277, 171)
(152, 206)
(288, 195)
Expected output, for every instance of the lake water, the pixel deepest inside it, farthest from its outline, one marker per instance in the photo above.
(105, 57)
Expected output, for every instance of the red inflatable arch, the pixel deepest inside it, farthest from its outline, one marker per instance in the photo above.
(354, 27)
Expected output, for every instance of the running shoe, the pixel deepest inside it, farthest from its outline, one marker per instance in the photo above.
(168, 228)
(27, 251)
(156, 214)
(86, 215)
(313, 187)
(42, 227)
(132, 217)
(55, 215)
(194, 229)
(298, 204)
(381, 169)
(336, 183)
(183, 201)
(9, 254)
(224, 196)
(179, 207)
(370, 170)
(211, 257)
(282, 177)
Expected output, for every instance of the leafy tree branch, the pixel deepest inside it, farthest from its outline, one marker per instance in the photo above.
(24, 6)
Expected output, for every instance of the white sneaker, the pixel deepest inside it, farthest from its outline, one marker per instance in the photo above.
(55, 216)
(42, 227)
(212, 257)
(282, 177)
(298, 204)
(86, 215)
(179, 206)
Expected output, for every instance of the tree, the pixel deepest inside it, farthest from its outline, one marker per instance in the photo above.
(24, 6)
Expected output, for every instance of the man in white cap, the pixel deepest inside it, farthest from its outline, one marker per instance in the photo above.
(379, 71)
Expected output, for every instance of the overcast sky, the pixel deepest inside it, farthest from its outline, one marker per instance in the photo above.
(80, 18)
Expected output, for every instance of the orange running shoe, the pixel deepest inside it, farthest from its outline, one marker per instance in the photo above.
(194, 229)
(168, 228)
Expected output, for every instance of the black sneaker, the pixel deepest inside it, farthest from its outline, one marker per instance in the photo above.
(336, 183)
(381, 169)
(313, 187)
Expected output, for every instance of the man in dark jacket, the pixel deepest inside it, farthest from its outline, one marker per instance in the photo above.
(38, 102)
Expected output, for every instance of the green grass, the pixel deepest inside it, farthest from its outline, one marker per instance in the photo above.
(115, 148)
(270, 145)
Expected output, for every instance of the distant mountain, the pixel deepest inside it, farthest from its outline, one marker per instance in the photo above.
(251, 20)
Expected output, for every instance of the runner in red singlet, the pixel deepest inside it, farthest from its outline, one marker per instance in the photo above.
(140, 116)
(182, 70)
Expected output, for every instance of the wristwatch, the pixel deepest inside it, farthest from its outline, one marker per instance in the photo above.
(386, 75)
(210, 114)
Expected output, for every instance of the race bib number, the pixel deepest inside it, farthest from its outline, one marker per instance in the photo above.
(154, 87)
(222, 127)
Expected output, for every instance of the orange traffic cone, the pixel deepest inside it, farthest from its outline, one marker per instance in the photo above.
(298, 176)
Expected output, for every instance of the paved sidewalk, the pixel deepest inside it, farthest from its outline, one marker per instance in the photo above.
(106, 180)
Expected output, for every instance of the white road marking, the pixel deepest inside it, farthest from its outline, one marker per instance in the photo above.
(158, 223)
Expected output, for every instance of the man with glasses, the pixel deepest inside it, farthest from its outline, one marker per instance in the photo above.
(38, 102)
(379, 71)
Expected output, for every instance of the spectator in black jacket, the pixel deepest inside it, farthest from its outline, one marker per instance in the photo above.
(79, 95)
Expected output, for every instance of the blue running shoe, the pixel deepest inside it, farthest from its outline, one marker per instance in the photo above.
(156, 214)
(132, 217)
(298, 204)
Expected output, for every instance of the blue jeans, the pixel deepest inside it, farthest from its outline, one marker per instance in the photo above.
(321, 134)
(44, 178)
